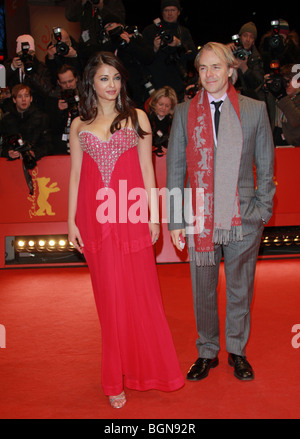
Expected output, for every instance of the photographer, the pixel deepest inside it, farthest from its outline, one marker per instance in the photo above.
(62, 50)
(250, 65)
(173, 47)
(284, 87)
(62, 108)
(26, 69)
(276, 45)
(90, 14)
(129, 45)
(27, 122)
(161, 110)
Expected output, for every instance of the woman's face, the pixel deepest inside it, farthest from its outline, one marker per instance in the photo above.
(163, 106)
(107, 83)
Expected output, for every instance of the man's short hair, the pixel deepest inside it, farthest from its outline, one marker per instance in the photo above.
(66, 68)
(224, 53)
(17, 88)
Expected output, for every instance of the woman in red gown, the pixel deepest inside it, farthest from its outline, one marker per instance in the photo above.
(110, 182)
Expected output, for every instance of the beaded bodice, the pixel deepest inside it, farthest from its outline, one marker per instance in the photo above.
(107, 153)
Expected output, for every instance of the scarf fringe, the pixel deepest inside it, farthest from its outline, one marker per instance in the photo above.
(221, 236)
(203, 259)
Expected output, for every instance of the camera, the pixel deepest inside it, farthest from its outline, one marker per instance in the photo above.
(16, 143)
(276, 84)
(61, 47)
(276, 43)
(164, 34)
(239, 51)
(72, 99)
(26, 58)
(115, 34)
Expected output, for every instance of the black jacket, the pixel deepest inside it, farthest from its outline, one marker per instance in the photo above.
(32, 125)
(39, 80)
(136, 57)
(170, 64)
(91, 25)
(55, 64)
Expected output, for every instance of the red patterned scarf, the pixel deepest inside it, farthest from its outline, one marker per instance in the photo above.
(216, 174)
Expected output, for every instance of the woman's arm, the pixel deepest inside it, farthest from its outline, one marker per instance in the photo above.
(76, 160)
(145, 157)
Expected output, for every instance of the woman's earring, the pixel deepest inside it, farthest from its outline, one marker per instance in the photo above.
(119, 102)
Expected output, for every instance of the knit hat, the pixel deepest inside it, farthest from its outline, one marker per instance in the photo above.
(249, 27)
(25, 39)
(166, 3)
(284, 27)
(112, 18)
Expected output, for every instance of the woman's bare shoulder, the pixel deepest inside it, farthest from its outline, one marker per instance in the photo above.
(79, 125)
(143, 119)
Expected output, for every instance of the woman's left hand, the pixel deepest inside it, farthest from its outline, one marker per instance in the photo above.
(154, 231)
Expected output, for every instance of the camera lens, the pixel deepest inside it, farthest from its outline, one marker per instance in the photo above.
(62, 48)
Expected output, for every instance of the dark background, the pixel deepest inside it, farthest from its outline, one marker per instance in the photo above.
(206, 20)
(217, 20)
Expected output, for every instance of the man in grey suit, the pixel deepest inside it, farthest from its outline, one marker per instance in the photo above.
(216, 139)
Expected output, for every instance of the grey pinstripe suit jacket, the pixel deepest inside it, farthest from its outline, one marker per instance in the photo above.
(256, 202)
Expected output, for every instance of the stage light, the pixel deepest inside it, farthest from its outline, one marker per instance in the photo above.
(51, 245)
(266, 241)
(30, 245)
(21, 244)
(44, 249)
(41, 245)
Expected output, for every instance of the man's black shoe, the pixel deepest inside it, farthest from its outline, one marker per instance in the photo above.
(242, 369)
(201, 367)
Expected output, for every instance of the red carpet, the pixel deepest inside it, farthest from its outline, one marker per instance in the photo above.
(50, 367)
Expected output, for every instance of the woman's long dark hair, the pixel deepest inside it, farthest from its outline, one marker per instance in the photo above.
(89, 99)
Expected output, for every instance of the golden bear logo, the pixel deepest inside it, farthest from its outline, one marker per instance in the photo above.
(40, 205)
(44, 192)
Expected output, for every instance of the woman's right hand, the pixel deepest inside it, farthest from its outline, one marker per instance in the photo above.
(75, 237)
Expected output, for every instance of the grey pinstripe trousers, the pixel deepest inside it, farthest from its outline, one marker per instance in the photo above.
(240, 263)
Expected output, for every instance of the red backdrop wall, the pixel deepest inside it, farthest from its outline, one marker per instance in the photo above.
(45, 212)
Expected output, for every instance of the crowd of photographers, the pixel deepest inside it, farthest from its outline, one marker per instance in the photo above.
(42, 98)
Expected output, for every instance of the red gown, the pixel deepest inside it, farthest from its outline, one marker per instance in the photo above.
(137, 346)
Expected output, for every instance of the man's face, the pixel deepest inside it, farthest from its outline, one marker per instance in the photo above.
(65, 37)
(214, 73)
(247, 40)
(292, 85)
(67, 81)
(23, 100)
(30, 52)
(170, 14)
